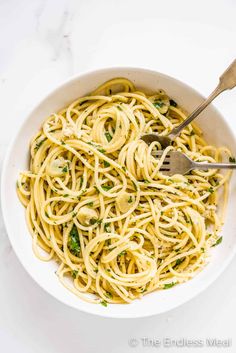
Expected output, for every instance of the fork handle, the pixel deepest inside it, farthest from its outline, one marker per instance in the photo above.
(203, 166)
(227, 81)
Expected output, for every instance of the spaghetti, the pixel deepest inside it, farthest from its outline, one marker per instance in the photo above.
(98, 205)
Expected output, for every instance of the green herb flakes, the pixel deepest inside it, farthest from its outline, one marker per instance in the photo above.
(109, 295)
(211, 190)
(103, 303)
(135, 186)
(39, 144)
(73, 241)
(107, 187)
(232, 160)
(96, 188)
(169, 285)
(108, 136)
(107, 227)
(106, 164)
(179, 261)
(218, 241)
(101, 150)
(74, 273)
(92, 221)
(158, 104)
(122, 253)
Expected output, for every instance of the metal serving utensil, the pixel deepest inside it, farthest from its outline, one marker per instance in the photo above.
(177, 162)
(227, 81)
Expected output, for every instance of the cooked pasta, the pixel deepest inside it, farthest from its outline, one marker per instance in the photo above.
(97, 204)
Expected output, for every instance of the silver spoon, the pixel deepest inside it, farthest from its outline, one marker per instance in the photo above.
(227, 81)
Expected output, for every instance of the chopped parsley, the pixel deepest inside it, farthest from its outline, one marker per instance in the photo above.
(232, 160)
(106, 164)
(158, 104)
(119, 107)
(130, 199)
(108, 136)
(179, 261)
(169, 285)
(107, 227)
(122, 253)
(92, 221)
(135, 186)
(63, 143)
(103, 302)
(109, 295)
(74, 273)
(171, 181)
(90, 204)
(73, 241)
(211, 190)
(38, 144)
(101, 150)
(96, 188)
(95, 220)
(65, 169)
(107, 187)
(66, 195)
(218, 241)
(173, 103)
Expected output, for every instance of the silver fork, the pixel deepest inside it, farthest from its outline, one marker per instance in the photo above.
(227, 81)
(177, 162)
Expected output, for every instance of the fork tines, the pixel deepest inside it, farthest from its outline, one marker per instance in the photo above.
(166, 162)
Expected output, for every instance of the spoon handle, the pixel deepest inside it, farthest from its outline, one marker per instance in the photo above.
(227, 81)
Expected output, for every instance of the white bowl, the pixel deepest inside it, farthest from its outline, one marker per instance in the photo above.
(215, 130)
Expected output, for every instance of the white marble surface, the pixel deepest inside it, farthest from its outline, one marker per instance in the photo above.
(44, 42)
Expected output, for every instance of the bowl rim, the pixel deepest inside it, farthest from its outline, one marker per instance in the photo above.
(51, 92)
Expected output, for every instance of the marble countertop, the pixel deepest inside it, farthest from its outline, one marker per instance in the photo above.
(44, 42)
